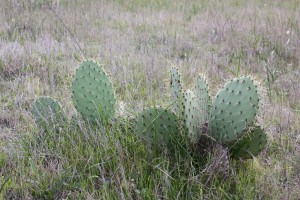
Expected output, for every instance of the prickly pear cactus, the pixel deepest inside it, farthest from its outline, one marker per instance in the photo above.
(204, 101)
(191, 117)
(48, 113)
(93, 93)
(176, 92)
(234, 109)
(157, 125)
(251, 144)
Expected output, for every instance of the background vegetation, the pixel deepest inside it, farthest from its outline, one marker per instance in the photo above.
(43, 41)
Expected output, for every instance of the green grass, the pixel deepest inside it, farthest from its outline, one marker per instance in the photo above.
(113, 163)
(137, 41)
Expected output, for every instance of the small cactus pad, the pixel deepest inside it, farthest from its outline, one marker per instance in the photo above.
(250, 144)
(204, 101)
(191, 116)
(234, 108)
(93, 93)
(47, 113)
(176, 92)
(157, 126)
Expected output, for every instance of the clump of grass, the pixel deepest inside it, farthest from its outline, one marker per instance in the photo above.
(110, 162)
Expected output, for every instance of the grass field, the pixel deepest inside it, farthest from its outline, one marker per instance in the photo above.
(42, 42)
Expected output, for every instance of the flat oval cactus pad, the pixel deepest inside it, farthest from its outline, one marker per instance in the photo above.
(93, 93)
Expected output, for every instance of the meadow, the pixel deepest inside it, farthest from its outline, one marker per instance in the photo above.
(42, 42)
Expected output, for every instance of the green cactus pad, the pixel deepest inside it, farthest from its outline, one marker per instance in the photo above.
(176, 92)
(250, 144)
(93, 93)
(234, 108)
(158, 126)
(191, 116)
(204, 101)
(47, 113)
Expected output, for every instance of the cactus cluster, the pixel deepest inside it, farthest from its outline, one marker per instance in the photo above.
(230, 119)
